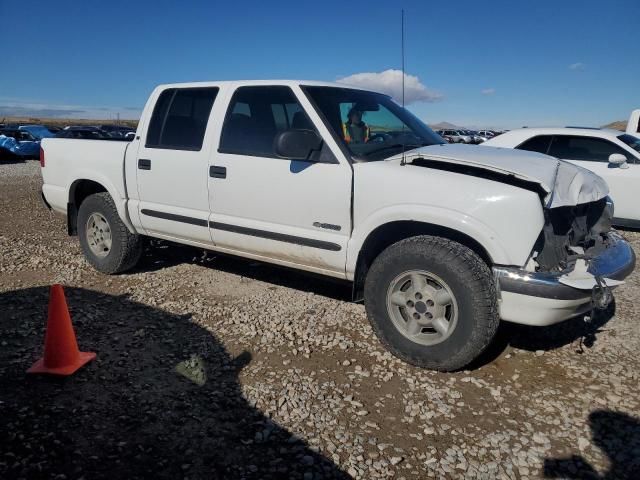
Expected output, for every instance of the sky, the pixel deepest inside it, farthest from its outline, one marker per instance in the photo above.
(500, 64)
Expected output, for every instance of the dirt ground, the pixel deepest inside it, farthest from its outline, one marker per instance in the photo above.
(215, 367)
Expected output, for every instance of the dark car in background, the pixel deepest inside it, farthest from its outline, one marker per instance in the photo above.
(117, 131)
(83, 131)
(37, 131)
(53, 128)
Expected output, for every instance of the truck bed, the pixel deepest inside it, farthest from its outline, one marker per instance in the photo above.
(68, 160)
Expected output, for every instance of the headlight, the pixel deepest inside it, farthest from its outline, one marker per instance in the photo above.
(609, 208)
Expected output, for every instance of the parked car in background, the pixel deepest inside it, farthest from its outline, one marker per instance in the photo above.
(15, 142)
(482, 136)
(53, 128)
(454, 242)
(83, 132)
(37, 131)
(457, 136)
(487, 134)
(612, 154)
(475, 138)
(116, 131)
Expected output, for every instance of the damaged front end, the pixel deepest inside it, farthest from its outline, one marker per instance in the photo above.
(575, 262)
(571, 233)
(572, 237)
(576, 258)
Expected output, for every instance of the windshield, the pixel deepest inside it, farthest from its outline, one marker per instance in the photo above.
(371, 125)
(633, 142)
(38, 131)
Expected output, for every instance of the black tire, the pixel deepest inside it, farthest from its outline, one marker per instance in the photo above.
(126, 247)
(471, 283)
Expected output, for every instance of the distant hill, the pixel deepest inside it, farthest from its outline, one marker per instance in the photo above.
(620, 125)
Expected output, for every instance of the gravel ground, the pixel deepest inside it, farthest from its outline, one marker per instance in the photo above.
(215, 367)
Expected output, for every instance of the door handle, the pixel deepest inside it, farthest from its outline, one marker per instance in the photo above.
(144, 164)
(217, 172)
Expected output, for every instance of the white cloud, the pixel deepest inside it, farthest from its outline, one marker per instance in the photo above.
(488, 91)
(390, 82)
(577, 66)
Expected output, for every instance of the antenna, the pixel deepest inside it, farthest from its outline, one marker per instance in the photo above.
(402, 54)
(403, 161)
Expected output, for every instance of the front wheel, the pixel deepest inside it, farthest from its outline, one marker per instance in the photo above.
(432, 302)
(106, 242)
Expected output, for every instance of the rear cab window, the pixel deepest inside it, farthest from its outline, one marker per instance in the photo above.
(180, 117)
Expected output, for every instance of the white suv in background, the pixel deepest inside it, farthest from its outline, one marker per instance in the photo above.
(612, 154)
(458, 136)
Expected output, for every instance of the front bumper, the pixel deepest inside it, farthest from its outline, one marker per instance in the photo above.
(539, 298)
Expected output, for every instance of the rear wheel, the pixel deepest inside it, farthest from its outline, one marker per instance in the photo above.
(106, 242)
(432, 302)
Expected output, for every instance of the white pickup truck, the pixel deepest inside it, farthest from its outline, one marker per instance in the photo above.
(441, 241)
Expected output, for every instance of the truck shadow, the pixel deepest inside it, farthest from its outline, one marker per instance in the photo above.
(618, 436)
(162, 400)
(583, 335)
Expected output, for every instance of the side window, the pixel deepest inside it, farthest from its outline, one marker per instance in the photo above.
(583, 148)
(256, 115)
(180, 117)
(538, 144)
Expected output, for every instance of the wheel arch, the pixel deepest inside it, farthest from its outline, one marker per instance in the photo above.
(82, 188)
(389, 233)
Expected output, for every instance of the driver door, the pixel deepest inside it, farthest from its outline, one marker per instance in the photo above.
(286, 211)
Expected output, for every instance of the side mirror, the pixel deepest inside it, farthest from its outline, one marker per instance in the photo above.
(618, 160)
(297, 144)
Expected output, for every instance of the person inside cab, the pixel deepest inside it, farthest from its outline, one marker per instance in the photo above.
(354, 129)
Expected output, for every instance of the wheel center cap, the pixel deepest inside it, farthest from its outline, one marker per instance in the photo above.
(421, 307)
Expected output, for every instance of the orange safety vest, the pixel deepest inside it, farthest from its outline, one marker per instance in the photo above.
(347, 134)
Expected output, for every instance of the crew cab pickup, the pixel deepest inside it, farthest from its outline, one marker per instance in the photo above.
(440, 241)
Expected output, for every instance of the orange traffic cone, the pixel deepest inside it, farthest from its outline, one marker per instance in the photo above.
(61, 354)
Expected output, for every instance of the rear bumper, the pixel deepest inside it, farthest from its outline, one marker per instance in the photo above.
(539, 298)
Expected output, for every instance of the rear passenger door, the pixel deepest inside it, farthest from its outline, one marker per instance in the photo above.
(172, 164)
(287, 211)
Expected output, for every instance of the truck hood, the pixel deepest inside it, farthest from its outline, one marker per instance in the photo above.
(565, 184)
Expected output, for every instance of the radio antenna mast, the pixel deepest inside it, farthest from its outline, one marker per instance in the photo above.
(402, 53)
(403, 161)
